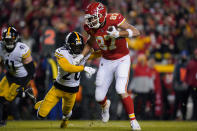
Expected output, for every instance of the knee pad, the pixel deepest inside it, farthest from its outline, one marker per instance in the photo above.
(99, 96)
(100, 77)
(121, 85)
(99, 80)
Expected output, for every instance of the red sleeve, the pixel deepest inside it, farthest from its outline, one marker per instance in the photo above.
(120, 19)
(116, 19)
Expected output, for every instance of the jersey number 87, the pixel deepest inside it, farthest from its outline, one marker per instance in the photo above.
(101, 42)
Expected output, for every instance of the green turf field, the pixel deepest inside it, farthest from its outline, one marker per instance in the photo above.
(99, 126)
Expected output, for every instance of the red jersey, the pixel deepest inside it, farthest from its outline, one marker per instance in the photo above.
(111, 48)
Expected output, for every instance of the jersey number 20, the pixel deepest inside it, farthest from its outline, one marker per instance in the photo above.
(66, 77)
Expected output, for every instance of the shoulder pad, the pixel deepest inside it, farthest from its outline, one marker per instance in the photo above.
(24, 49)
(22, 46)
(115, 19)
(59, 52)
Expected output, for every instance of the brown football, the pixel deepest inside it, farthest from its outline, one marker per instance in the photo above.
(110, 28)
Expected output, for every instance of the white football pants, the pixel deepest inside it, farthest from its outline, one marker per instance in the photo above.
(108, 69)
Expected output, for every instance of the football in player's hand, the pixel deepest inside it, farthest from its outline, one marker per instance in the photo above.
(110, 28)
(112, 32)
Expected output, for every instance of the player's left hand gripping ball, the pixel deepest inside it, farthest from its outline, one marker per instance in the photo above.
(113, 32)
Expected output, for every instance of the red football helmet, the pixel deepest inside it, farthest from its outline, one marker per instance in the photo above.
(95, 14)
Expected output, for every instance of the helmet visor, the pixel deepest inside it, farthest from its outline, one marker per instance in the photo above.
(9, 43)
(76, 49)
(92, 21)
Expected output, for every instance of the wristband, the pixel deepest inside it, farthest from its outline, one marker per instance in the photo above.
(130, 32)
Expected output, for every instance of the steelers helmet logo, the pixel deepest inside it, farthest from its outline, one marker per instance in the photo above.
(74, 43)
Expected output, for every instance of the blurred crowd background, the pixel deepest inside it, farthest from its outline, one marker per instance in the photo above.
(164, 57)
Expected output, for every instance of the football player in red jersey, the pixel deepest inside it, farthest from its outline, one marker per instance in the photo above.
(115, 61)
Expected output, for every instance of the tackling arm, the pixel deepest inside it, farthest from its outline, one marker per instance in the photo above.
(85, 51)
(66, 66)
(95, 54)
(88, 45)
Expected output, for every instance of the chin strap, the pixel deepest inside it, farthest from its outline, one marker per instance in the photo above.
(9, 50)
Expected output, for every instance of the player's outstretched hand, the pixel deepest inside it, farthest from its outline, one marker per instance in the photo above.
(89, 70)
(113, 32)
(78, 59)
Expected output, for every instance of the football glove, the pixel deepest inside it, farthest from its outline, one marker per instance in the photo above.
(78, 59)
(89, 70)
(113, 32)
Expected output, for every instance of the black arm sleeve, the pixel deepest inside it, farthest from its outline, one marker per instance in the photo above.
(30, 70)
